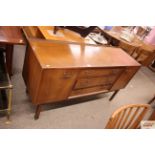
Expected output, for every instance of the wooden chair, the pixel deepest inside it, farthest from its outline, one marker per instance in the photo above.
(127, 117)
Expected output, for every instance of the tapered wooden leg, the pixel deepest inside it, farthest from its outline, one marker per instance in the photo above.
(151, 100)
(37, 113)
(152, 117)
(9, 57)
(26, 90)
(113, 95)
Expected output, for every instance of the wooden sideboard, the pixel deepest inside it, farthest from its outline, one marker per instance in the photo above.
(56, 71)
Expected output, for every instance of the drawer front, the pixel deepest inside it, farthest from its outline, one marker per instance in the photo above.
(98, 89)
(91, 82)
(99, 72)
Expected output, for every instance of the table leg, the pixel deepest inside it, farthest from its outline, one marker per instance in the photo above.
(152, 66)
(151, 100)
(9, 58)
(113, 95)
(152, 117)
(37, 113)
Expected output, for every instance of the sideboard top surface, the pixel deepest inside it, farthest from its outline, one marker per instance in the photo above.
(69, 55)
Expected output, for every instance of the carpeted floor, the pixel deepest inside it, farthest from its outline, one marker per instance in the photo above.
(89, 112)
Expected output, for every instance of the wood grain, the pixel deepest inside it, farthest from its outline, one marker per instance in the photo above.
(62, 71)
(128, 116)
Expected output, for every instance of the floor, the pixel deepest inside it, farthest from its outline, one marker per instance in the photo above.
(85, 113)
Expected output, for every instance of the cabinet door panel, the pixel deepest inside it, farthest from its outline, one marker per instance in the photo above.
(56, 85)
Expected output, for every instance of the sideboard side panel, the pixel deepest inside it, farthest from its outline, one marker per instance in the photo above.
(124, 78)
(32, 74)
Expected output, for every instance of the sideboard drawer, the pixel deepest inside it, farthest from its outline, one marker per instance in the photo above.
(91, 82)
(99, 72)
(94, 90)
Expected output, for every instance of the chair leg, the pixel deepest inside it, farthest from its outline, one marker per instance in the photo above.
(37, 113)
(152, 117)
(113, 95)
(9, 105)
(9, 102)
(151, 100)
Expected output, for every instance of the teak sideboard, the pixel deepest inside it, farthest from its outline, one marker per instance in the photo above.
(56, 71)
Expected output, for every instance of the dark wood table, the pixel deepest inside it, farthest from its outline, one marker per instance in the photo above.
(64, 35)
(10, 36)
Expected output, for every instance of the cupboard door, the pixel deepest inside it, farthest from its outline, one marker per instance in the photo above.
(56, 85)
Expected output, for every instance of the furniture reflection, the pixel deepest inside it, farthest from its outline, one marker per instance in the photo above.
(9, 36)
(63, 71)
(128, 117)
(5, 87)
